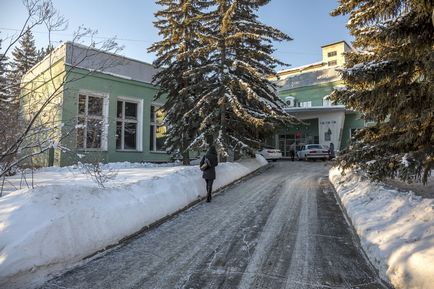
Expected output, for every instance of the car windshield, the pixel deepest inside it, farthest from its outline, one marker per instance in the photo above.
(314, 146)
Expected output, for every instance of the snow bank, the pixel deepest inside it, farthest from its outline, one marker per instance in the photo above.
(55, 225)
(396, 229)
(73, 175)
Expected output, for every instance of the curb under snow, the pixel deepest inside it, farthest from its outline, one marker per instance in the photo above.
(51, 228)
(396, 229)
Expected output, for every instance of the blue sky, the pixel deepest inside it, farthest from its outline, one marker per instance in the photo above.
(307, 21)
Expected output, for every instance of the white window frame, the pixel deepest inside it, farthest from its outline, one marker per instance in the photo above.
(139, 122)
(332, 53)
(332, 63)
(104, 118)
(305, 104)
(153, 126)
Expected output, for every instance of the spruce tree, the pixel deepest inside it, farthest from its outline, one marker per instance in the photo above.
(3, 72)
(44, 52)
(24, 57)
(180, 22)
(7, 107)
(390, 79)
(4, 98)
(239, 105)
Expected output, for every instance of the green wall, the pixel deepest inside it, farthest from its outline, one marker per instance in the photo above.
(310, 93)
(309, 128)
(352, 120)
(114, 87)
(308, 132)
(315, 94)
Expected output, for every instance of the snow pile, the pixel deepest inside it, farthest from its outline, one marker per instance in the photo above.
(75, 175)
(55, 225)
(396, 229)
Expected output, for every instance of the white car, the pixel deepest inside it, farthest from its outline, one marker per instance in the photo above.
(313, 151)
(270, 153)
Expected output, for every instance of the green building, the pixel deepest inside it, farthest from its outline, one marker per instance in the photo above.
(101, 107)
(305, 91)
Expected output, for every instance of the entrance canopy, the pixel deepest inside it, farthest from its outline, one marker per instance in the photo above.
(322, 125)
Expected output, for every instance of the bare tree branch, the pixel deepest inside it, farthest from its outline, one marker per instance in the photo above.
(41, 127)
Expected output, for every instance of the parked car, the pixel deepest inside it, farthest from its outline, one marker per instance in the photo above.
(270, 153)
(313, 151)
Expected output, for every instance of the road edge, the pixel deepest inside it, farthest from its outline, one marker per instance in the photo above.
(327, 186)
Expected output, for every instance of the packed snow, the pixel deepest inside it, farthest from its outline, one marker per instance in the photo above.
(67, 217)
(396, 228)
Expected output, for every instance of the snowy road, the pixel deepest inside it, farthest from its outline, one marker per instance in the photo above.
(277, 229)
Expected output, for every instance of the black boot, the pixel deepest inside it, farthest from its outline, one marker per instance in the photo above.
(208, 195)
(208, 190)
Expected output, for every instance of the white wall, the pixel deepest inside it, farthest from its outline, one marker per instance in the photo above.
(333, 121)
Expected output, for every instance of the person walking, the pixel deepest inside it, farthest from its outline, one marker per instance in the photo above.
(292, 152)
(331, 151)
(207, 165)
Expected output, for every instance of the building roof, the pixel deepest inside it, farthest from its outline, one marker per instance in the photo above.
(93, 59)
(337, 42)
(325, 75)
(309, 74)
(315, 109)
(81, 56)
(301, 68)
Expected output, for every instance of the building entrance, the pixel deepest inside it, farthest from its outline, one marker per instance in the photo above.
(294, 141)
(286, 144)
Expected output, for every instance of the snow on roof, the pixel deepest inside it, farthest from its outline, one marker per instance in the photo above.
(93, 59)
(109, 63)
(300, 67)
(308, 78)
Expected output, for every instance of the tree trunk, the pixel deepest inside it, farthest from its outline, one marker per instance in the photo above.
(186, 158)
(222, 44)
(185, 153)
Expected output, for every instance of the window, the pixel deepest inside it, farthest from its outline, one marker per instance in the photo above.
(92, 114)
(129, 124)
(157, 130)
(332, 63)
(314, 146)
(332, 53)
(305, 104)
(369, 122)
(327, 135)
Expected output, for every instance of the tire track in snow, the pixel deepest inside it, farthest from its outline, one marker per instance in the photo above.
(180, 242)
(275, 230)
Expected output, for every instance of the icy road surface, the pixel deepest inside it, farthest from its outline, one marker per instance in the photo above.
(277, 229)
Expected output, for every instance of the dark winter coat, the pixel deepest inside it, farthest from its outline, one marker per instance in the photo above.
(211, 156)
